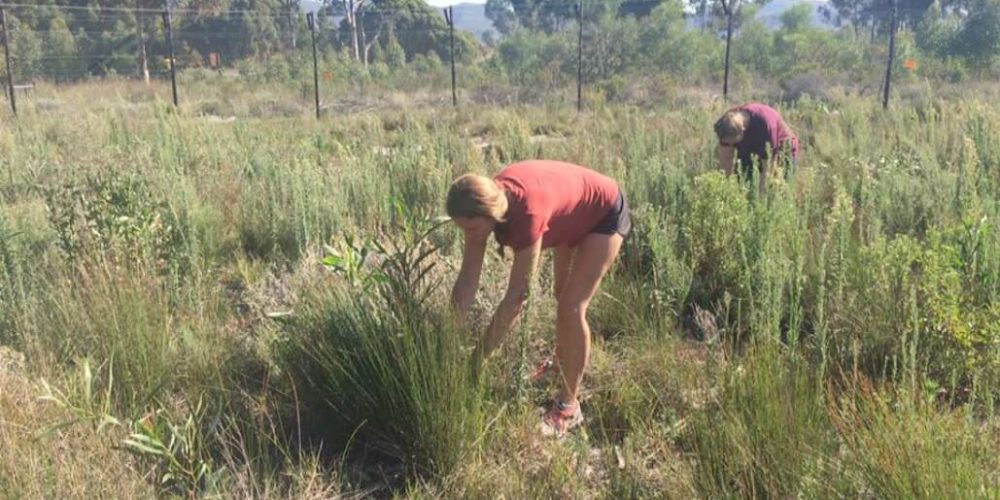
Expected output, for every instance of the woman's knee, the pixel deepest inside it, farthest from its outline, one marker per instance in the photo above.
(569, 309)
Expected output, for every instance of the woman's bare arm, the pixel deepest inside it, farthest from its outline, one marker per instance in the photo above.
(725, 156)
(510, 308)
(467, 283)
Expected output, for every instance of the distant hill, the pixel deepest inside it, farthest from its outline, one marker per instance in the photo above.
(770, 13)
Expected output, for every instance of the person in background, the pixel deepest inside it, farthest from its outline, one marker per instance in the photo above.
(530, 206)
(757, 135)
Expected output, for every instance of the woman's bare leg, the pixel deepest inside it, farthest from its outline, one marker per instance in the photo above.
(591, 261)
(561, 262)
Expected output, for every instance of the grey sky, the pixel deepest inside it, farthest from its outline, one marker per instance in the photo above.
(445, 3)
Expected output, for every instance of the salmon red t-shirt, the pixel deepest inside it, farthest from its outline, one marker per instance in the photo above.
(556, 201)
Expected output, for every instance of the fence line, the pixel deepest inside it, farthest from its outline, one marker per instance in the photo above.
(208, 13)
(129, 40)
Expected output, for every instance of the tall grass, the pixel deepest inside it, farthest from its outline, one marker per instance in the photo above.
(385, 370)
(125, 319)
(905, 447)
(777, 431)
(768, 433)
(72, 463)
(375, 378)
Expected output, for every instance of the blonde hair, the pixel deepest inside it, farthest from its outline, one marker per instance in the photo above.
(476, 196)
(732, 124)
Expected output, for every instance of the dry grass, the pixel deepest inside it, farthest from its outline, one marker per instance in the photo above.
(70, 462)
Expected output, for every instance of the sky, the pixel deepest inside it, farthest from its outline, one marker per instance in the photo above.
(311, 5)
(445, 3)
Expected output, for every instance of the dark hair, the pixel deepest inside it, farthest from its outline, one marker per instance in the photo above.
(731, 124)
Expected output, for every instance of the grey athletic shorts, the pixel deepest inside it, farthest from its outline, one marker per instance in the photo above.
(617, 220)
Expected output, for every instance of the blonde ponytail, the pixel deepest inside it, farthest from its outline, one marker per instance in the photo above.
(476, 196)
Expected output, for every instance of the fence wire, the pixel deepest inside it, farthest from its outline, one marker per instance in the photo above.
(634, 51)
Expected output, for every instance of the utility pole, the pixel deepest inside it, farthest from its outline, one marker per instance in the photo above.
(290, 13)
(6, 53)
(311, 19)
(143, 61)
(449, 15)
(579, 56)
(728, 7)
(892, 55)
(170, 48)
(704, 15)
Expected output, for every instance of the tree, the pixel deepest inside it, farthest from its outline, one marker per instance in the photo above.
(544, 15)
(755, 45)
(612, 48)
(536, 59)
(502, 14)
(702, 10)
(25, 48)
(978, 40)
(142, 24)
(61, 49)
(797, 18)
(350, 10)
(202, 8)
(293, 12)
(674, 48)
(876, 15)
(731, 10)
(854, 13)
(936, 32)
(417, 27)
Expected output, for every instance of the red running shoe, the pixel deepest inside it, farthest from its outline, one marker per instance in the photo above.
(560, 419)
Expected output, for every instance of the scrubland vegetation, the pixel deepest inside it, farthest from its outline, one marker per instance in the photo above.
(257, 307)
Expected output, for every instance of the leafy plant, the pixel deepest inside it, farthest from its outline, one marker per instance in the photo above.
(400, 268)
(82, 400)
(116, 215)
(352, 260)
(179, 451)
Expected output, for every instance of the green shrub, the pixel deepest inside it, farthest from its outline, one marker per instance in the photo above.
(712, 233)
(384, 371)
(115, 214)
